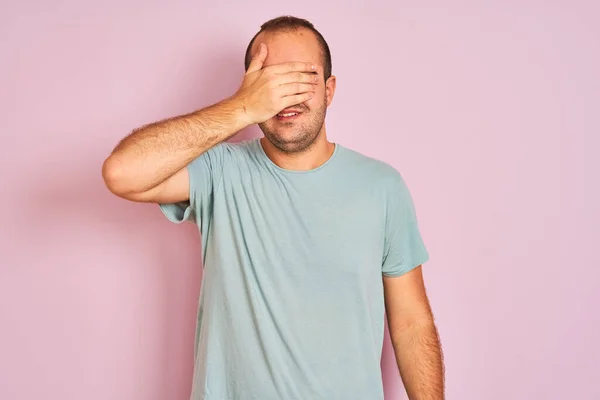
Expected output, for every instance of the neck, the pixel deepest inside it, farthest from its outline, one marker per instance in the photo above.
(315, 156)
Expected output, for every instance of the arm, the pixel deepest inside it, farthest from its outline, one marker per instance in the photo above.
(150, 164)
(414, 336)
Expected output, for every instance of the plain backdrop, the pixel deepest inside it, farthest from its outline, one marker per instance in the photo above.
(489, 109)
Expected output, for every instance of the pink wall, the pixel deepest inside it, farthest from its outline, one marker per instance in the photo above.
(490, 109)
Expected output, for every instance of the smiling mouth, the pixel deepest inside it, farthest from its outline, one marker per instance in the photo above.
(287, 116)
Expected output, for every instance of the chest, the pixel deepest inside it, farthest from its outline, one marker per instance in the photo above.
(302, 223)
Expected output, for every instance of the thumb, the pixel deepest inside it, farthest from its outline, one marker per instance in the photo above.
(258, 59)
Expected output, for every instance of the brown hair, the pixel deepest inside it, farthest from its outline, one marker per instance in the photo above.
(289, 23)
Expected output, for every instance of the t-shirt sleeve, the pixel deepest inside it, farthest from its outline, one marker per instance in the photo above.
(404, 248)
(205, 173)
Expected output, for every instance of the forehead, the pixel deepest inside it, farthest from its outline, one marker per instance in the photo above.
(285, 46)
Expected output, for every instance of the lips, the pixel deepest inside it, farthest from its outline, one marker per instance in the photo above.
(289, 112)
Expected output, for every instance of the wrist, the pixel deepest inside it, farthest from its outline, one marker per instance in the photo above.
(240, 111)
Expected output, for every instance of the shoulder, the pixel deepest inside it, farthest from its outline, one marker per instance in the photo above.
(377, 172)
(233, 151)
(384, 180)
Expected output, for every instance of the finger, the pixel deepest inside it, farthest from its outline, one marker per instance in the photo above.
(295, 99)
(295, 88)
(293, 66)
(302, 77)
(258, 59)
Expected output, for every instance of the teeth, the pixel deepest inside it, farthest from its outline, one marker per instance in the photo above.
(288, 114)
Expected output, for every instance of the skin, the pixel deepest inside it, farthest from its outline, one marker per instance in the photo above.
(286, 71)
(300, 144)
(414, 336)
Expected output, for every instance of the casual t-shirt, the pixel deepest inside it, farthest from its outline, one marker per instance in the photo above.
(292, 304)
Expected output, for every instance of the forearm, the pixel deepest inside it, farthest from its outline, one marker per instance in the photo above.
(420, 360)
(153, 153)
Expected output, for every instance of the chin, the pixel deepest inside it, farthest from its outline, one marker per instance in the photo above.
(291, 143)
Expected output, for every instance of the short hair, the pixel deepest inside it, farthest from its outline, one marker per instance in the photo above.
(290, 23)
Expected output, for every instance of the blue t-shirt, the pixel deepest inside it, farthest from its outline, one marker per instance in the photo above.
(292, 304)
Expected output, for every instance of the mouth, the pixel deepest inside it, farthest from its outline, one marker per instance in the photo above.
(288, 115)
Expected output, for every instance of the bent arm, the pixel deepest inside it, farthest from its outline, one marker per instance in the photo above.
(149, 164)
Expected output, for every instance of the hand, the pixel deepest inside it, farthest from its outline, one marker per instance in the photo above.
(267, 91)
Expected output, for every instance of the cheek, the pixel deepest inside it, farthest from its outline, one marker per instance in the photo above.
(318, 98)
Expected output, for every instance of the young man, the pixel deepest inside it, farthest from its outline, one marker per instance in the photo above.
(306, 243)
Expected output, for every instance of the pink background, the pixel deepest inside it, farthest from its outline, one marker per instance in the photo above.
(489, 109)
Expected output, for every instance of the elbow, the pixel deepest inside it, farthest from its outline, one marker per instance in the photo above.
(120, 180)
(115, 177)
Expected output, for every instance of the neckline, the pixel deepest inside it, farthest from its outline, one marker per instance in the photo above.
(292, 171)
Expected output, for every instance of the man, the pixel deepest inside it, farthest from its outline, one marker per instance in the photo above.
(306, 243)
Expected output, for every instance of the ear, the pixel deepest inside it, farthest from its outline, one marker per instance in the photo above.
(330, 89)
